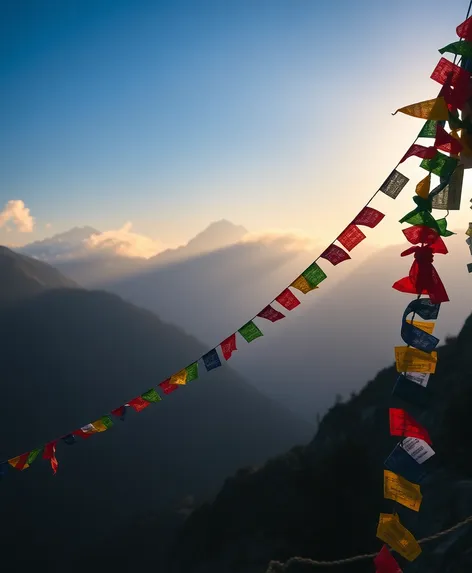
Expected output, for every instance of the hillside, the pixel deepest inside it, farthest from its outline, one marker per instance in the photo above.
(68, 357)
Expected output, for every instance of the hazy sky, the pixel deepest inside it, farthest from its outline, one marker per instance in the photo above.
(170, 115)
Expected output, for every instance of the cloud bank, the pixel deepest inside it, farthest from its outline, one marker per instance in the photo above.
(124, 242)
(17, 212)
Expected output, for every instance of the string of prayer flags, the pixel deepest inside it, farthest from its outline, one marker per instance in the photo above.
(402, 424)
(394, 534)
(351, 237)
(418, 449)
(401, 463)
(335, 255)
(394, 184)
(440, 164)
(179, 378)
(423, 187)
(287, 299)
(413, 360)
(368, 217)
(250, 331)
(302, 285)
(168, 388)
(464, 30)
(211, 360)
(420, 151)
(449, 198)
(411, 392)
(431, 109)
(228, 346)
(270, 313)
(49, 453)
(385, 562)
(138, 404)
(458, 48)
(402, 491)
(192, 371)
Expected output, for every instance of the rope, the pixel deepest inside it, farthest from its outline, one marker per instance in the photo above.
(278, 567)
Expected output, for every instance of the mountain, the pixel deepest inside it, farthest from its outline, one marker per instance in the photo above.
(22, 277)
(322, 500)
(68, 357)
(61, 246)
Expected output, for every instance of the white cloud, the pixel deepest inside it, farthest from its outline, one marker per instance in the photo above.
(124, 242)
(17, 212)
(285, 239)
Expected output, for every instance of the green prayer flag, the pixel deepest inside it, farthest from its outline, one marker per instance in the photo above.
(460, 48)
(250, 331)
(151, 396)
(454, 120)
(107, 421)
(440, 164)
(442, 225)
(429, 129)
(33, 455)
(192, 372)
(313, 275)
(421, 218)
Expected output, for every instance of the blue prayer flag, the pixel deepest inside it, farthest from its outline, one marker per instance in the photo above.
(211, 360)
(401, 463)
(411, 392)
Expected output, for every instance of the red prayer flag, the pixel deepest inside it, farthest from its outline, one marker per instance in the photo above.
(464, 30)
(22, 460)
(419, 151)
(271, 314)
(402, 424)
(287, 299)
(385, 562)
(49, 453)
(351, 236)
(369, 217)
(138, 404)
(228, 346)
(450, 75)
(335, 255)
(426, 235)
(167, 387)
(445, 142)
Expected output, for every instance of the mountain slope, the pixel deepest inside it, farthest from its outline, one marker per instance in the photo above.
(63, 245)
(22, 277)
(68, 356)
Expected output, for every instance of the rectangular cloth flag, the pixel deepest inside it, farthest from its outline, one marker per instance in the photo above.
(120, 412)
(385, 562)
(211, 360)
(445, 142)
(459, 49)
(302, 285)
(151, 396)
(450, 197)
(401, 463)
(138, 404)
(351, 237)
(179, 378)
(414, 360)
(411, 392)
(86, 431)
(192, 371)
(402, 424)
(433, 109)
(335, 255)
(228, 346)
(49, 453)
(20, 462)
(250, 331)
(368, 217)
(421, 378)
(402, 491)
(425, 326)
(394, 184)
(419, 151)
(287, 299)
(103, 424)
(464, 30)
(394, 534)
(167, 387)
(441, 165)
(449, 74)
(269, 313)
(313, 275)
(418, 449)
(429, 129)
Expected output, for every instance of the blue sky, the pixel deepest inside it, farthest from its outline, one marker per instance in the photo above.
(170, 115)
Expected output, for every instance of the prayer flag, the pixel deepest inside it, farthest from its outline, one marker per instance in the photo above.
(49, 453)
(402, 463)
(459, 49)
(442, 226)
(450, 197)
(425, 326)
(424, 308)
(452, 76)
(103, 424)
(368, 217)
(440, 164)
(85, 431)
(414, 360)
(287, 299)
(179, 378)
(69, 439)
(433, 109)
(228, 346)
(402, 491)
(429, 129)
(392, 532)
(464, 30)
(269, 313)
(421, 234)
(415, 336)
(302, 285)
(418, 449)
(192, 371)
(335, 255)
(250, 331)
(385, 562)
(393, 185)
(419, 151)
(138, 404)
(313, 275)
(445, 142)
(167, 387)
(421, 378)
(351, 237)
(402, 424)
(33, 455)
(20, 462)
(151, 396)
(120, 413)
(411, 392)
(211, 360)
(423, 187)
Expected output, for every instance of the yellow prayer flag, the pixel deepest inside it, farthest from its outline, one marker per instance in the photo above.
(179, 378)
(434, 109)
(413, 360)
(19, 462)
(426, 326)
(99, 426)
(402, 491)
(302, 285)
(422, 189)
(393, 533)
